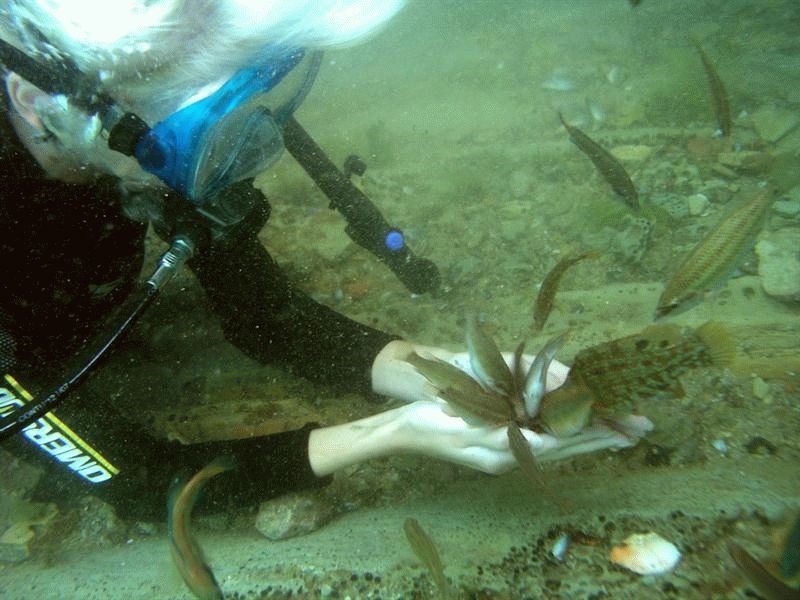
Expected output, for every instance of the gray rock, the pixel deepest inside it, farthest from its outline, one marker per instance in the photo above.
(779, 263)
(697, 203)
(789, 206)
(15, 543)
(773, 122)
(292, 515)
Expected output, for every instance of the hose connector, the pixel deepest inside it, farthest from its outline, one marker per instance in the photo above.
(181, 250)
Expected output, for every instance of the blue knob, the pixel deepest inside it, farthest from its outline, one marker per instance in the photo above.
(394, 240)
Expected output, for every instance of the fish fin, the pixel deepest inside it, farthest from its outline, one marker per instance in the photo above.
(721, 344)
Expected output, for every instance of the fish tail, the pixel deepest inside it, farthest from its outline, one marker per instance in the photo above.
(719, 341)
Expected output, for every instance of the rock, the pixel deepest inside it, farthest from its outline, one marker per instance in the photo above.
(746, 161)
(632, 152)
(789, 206)
(292, 515)
(697, 203)
(761, 390)
(779, 263)
(96, 525)
(15, 543)
(772, 122)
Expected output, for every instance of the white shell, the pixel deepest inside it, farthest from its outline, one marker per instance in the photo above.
(646, 554)
(561, 546)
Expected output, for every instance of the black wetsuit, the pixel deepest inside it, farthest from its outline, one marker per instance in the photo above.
(68, 257)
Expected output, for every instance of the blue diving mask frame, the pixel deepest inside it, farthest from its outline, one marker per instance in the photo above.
(229, 136)
(226, 137)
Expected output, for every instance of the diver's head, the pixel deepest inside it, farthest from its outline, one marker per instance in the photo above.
(156, 57)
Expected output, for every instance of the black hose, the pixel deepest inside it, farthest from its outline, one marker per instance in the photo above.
(40, 406)
(181, 250)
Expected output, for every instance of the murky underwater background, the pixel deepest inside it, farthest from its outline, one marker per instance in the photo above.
(454, 108)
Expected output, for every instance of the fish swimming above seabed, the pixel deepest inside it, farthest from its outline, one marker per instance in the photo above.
(716, 255)
(610, 168)
(608, 377)
(185, 550)
(719, 95)
(547, 291)
(425, 550)
(765, 582)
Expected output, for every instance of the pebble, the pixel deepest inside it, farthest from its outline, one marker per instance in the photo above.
(761, 390)
(292, 515)
(556, 83)
(746, 161)
(616, 75)
(779, 264)
(561, 546)
(720, 446)
(698, 203)
(15, 543)
(773, 122)
(789, 206)
(632, 152)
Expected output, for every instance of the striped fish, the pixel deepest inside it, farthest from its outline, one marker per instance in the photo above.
(715, 257)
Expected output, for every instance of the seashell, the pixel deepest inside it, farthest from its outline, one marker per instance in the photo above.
(559, 550)
(646, 554)
(557, 83)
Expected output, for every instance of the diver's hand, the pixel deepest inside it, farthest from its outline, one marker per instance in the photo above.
(427, 427)
(431, 429)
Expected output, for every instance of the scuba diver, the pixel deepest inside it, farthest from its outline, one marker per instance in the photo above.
(121, 114)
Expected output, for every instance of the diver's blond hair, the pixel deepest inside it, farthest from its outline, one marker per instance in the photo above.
(162, 51)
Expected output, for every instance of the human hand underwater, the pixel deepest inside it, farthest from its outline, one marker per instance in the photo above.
(432, 429)
(428, 425)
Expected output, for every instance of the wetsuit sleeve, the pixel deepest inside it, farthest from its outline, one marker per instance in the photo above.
(270, 321)
(120, 462)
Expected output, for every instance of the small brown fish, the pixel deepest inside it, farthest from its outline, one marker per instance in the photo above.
(716, 255)
(547, 292)
(638, 366)
(719, 96)
(423, 546)
(462, 392)
(610, 168)
(486, 360)
(185, 550)
(765, 582)
(523, 454)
